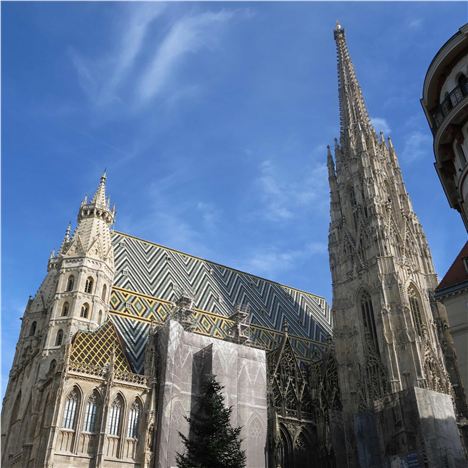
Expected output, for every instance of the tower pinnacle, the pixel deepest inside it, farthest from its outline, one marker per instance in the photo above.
(353, 112)
(99, 206)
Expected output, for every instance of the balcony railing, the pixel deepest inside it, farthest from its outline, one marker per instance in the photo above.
(454, 98)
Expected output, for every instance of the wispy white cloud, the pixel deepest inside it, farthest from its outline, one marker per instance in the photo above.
(415, 23)
(188, 35)
(285, 195)
(210, 214)
(101, 77)
(139, 68)
(272, 260)
(417, 145)
(381, 125)
(184, 224)
(132, 43)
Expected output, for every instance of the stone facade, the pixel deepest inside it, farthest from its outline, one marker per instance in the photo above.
(101, 364)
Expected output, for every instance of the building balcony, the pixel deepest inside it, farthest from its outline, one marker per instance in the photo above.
(454, 99)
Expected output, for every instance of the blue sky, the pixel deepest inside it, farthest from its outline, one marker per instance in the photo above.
(212, 121)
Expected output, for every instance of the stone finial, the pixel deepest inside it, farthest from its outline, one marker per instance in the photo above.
(240, 330)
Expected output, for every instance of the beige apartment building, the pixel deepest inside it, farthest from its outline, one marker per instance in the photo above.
(453, 293)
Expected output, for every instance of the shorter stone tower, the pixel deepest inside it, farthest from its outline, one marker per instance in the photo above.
(69, 356)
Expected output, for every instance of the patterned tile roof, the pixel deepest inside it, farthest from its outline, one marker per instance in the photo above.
(150, 278)
(457, 273)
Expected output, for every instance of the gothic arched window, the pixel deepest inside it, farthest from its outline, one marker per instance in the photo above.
(416, 309)
(65, 309)
(89, 285)
(91, 412)
(69, 413)
(115, 413)
(59, 338)
(70, 283)
(104, 293)
(32, 330)
(84, 310)
(285, 450)
(133, 420)
(369, 320)
(100, 317)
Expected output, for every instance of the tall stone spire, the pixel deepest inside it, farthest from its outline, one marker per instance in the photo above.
(353, 112)
(383, 277)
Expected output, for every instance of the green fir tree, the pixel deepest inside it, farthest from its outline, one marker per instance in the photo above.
(213, 442)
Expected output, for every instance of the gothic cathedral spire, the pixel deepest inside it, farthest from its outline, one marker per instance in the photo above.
(383, 279)
(353, 112)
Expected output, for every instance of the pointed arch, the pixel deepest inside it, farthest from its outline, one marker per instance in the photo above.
(70, 410)
(59, 338)
(89, 285)
(84, 310)
(70, 283)
(416, 309)
(368, 319)
(134, 416)
(92, 411)
(32, 330)
(285, 451)
(104, 293)
(65, 309)
(116, 410)
(302, 449)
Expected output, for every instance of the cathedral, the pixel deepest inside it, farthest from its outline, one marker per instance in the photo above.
(116, 342)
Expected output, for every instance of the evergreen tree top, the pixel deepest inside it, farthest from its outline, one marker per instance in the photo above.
(212, 441)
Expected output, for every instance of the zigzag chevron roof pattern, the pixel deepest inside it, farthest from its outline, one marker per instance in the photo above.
(150, 277)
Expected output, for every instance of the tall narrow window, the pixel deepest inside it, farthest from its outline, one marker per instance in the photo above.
(65, 309)
(89, 285)
(368, 319)
(100, 317)
(69, 414)
(91, 413)
(104, 293)
(115, 413)
(133, 420)
(84, 310)
(415, 306)
(70, 283)
(352, 196)
(32, 330)
(59, 338)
